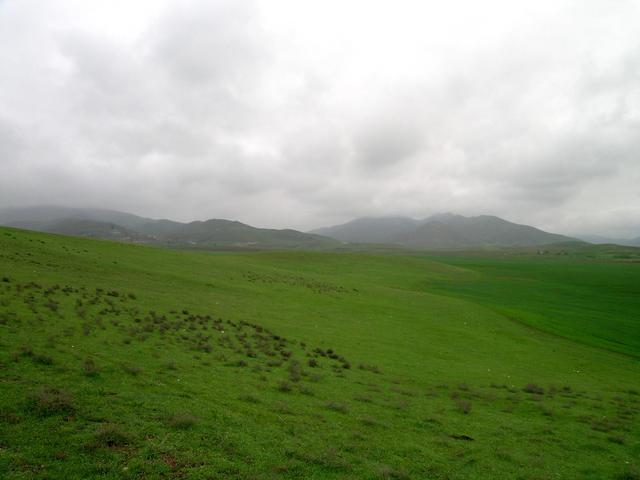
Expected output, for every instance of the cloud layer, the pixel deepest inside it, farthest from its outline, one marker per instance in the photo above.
(301, 114)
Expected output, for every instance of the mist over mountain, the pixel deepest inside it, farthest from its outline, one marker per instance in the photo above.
(442, 231)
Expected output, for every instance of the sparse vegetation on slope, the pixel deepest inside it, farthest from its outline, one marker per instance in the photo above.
(120, 361)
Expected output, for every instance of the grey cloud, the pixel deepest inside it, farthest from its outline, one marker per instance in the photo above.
(232, 109)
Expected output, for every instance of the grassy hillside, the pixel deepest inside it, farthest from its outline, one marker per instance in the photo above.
(124, 361)
(592, 302)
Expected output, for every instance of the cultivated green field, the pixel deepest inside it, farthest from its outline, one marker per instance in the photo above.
(121, 361)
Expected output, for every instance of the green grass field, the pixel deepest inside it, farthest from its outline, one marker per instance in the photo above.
(122, 361)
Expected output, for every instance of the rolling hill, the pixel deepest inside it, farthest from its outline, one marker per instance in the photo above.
(125, 361)
(444, 231)
(121, 226)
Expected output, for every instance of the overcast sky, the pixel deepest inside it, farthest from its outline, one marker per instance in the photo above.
(308, 113)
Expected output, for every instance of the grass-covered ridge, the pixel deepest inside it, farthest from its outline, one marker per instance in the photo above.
(118, 361)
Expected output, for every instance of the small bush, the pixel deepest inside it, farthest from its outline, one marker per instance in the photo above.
(182, 421)
(51, 401)
(313, 363)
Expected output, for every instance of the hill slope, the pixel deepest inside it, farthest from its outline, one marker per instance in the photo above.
(123, 361)
(442, 231)
(597, 239)
(114, 225)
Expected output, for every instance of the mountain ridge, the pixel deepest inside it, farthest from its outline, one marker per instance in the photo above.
(441, 231)
(122, 226)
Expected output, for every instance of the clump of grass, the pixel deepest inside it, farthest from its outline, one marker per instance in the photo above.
(533, 388)
(132, 370)
(363, 398)
(109, 435)
(337, 407)
(304, 390)
(369, 421)
(51, 401)
(283, 408)
(313, 363)
(633, 474)
(182, 421)
(9, 417)
(284, 386)
(89, 368)
(388, 472)
(241, 363)
(249, 398)
(170, 366)
(547, 412)
(42, 359)
(26, 351)
(332, 459)
(463, 406)
(295, 372)
(369, 368)
(618, 439)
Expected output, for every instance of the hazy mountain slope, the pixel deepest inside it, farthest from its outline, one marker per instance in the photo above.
(458, 231)
(227, 232)
(370, 230)
(42, 217)
(122, 226)
(630, 242)
(90, 228)
(442, 231)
